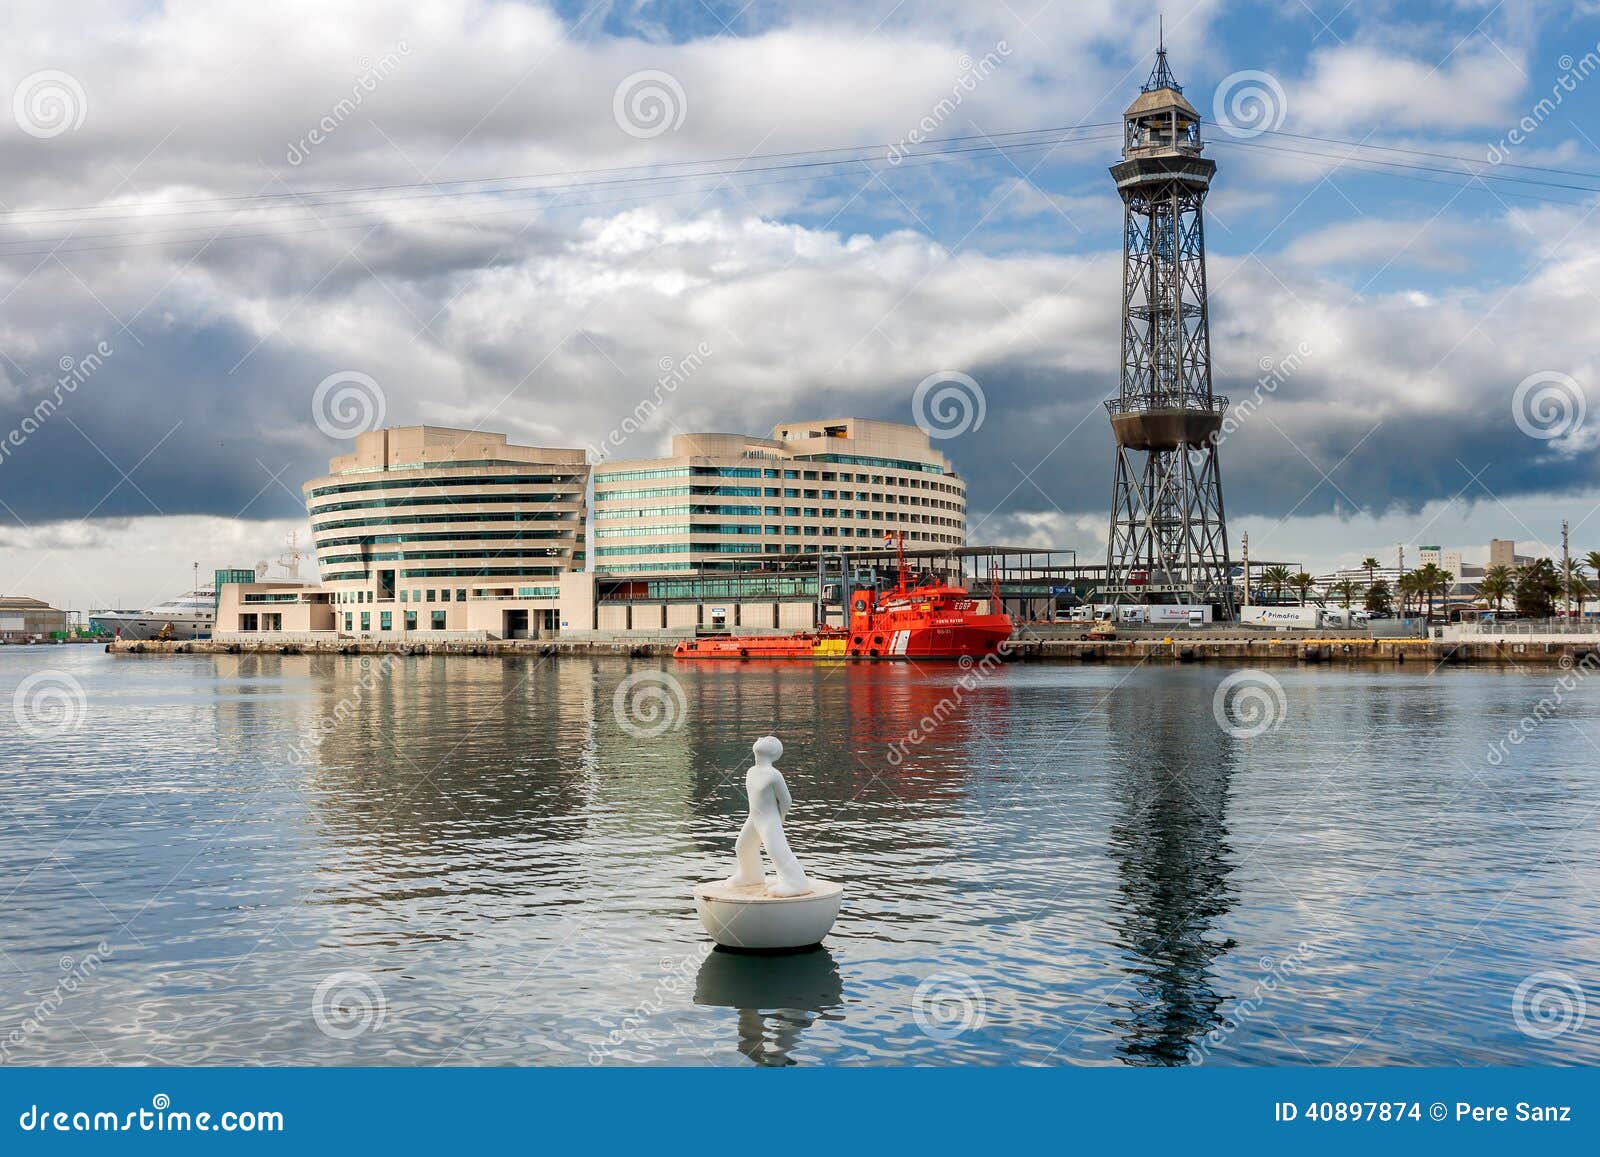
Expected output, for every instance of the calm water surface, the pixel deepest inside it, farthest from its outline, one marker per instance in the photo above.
(1078, 865)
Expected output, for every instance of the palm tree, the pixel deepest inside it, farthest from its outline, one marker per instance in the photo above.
(1302, 583)
(1578, 587)
(1538, 587)
(1410, 588)
(1346, 590)
(1276, 579)
(1379, 599)
(1437, 581)
(1369, 564)
(1497, 583)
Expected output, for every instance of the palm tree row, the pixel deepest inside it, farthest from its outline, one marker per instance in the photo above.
(1534, 590)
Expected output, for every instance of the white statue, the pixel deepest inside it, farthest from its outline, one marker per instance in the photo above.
(769, 804)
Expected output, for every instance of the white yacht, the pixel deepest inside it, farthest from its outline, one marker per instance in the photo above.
(190, 615)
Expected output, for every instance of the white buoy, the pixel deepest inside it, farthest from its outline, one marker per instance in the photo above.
(747, 910)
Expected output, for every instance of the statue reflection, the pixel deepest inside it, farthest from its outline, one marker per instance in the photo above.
(1170, 845)
(777, 997)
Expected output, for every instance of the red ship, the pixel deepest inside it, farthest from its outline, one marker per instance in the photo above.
(924, 620)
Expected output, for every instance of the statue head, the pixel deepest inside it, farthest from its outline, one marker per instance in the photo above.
(767, 749)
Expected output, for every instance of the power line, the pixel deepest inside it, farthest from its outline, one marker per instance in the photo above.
(214, 234)
(472, 185)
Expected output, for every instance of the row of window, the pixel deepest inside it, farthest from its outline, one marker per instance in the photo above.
(769, 472)
(446, 500)
(446, 536)
(425, 519)
(470, 480)
(477, 572)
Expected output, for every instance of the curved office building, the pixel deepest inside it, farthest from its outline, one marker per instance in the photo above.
(424, 528)
(811, 487)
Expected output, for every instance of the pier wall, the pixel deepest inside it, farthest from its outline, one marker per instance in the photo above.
(1175, 647)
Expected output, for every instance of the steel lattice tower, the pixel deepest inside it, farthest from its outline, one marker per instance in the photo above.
(1168, 536)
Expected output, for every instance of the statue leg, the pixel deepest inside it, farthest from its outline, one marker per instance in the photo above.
(791, 876)
(747, 853)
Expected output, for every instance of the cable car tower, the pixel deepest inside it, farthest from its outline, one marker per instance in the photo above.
(1168, 540)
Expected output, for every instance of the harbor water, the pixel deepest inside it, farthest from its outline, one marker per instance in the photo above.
(215, 859)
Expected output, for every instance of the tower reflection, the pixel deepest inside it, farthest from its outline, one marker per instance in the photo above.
(1170, 845)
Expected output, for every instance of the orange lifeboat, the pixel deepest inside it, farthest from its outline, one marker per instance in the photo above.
(932, 620)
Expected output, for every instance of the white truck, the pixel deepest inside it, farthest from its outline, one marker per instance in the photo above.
(1281, 618)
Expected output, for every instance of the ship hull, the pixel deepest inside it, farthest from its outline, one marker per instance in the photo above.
(971, 639)
(142, 627)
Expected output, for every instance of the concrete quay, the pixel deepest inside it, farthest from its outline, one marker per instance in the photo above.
(1214, 646)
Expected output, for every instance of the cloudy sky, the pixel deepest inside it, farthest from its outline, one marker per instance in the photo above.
(499, 215)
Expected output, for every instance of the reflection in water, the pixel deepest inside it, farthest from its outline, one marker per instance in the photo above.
(488, 842)
(778, 997)
(1170, 845)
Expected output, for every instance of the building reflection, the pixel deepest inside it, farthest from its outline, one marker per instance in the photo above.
(777, 997)
(1170, 844)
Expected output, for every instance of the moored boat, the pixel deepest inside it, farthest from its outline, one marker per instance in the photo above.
(926, 620)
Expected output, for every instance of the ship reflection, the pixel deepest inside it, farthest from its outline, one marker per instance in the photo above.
(778, 998)
(1170, 845)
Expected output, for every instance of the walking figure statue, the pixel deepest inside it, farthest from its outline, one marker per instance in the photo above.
(769, 804)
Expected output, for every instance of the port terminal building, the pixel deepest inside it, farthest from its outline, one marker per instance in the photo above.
(433, 533)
